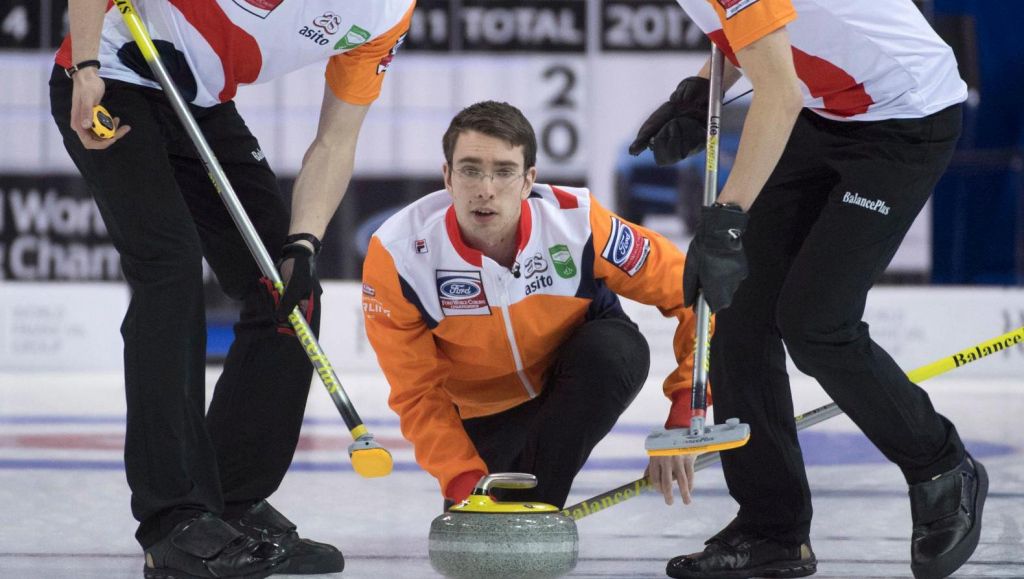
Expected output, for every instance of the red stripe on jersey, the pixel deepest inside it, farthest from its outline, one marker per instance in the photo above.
(525, 226)
(451, 223)
(718, 37)
(238, 51)
(565, 200)
(475, 257)
(63, 56)
(841, 93)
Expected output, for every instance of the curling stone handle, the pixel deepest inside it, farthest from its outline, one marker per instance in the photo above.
(505, 480)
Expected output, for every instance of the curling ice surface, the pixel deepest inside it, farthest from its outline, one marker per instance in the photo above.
(66, 514)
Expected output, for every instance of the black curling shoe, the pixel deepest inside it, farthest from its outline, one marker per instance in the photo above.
(305, 557)
(207, 547)
(947, 519)
(738, 554)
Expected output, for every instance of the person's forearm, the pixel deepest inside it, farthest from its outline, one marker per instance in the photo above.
(86, 26)
(765, 133)
(321, 185)
(768, 64)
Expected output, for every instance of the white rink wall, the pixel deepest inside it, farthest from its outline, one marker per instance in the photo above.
(75, 327)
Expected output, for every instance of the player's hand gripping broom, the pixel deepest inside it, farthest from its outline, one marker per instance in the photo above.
(701, 437)
(369, 458)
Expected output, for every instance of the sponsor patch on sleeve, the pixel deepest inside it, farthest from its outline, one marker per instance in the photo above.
(626, 249)
(385, 62)
(734, 7)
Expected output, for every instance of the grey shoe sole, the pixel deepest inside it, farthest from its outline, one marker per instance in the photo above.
(159, 573)
(773, 570)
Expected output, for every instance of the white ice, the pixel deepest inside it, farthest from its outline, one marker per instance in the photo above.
(65, 510)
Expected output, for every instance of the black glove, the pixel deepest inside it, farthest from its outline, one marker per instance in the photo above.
(298, 270)
(678, 128)
(715, 262)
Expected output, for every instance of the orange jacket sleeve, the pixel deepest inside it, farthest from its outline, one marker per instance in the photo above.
(641, 265)
(356, 76)
(746, 21)
(416, 370)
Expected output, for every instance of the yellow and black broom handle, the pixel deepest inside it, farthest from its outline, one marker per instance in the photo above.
(822, 413)
(368, 458)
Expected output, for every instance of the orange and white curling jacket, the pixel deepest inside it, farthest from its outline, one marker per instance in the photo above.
(459, 335)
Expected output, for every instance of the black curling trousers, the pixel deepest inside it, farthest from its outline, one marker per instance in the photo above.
(164, 216)
(824, 228)
(598, 372)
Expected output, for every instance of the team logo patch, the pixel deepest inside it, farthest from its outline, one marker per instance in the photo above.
(261, 8)
(626, 249)
(565, 267)
(734, 7)
(461, 293)
(386, 61)
(353, 38)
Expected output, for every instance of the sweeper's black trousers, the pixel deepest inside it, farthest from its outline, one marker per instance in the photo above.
(823, 229)
(164, 216)
(598, 372)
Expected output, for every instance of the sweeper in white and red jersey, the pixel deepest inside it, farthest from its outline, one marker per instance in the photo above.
(200, 483)
(855, 116)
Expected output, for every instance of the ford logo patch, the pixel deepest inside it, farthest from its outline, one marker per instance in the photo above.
(624, 246)
(460, 288)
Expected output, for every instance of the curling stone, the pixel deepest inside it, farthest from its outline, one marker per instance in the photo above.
(481, 537)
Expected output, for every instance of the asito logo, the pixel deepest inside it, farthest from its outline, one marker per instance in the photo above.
(535, 264)
(540, 283)
(329, 23)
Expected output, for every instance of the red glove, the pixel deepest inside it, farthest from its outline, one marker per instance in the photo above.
(679, 414)
(462, 486)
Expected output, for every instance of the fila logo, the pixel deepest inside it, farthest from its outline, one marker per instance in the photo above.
(872, 204)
